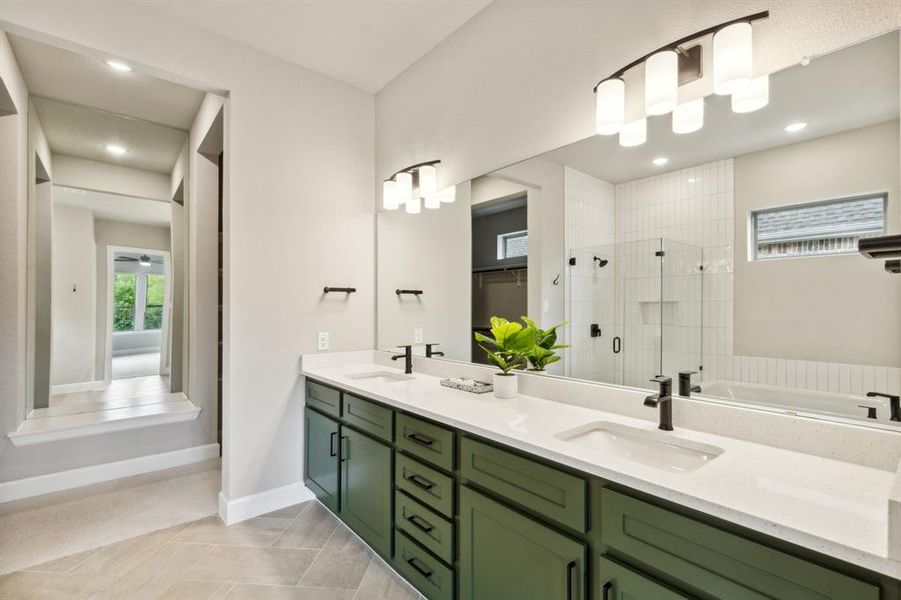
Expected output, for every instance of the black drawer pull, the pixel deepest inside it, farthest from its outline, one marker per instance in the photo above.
(332, 451)
(570, 588)
(420, 523)
(420, 439)
(420, 568)
(420, 481)
(606, 590)
(342, 449)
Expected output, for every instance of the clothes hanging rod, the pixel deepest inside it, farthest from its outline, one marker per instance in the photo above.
(509, 269)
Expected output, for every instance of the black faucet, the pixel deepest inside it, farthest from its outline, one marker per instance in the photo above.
(871, 410)
(685, 387)
(894, 402)
(664, 400)
(408, 358)
(429, 353)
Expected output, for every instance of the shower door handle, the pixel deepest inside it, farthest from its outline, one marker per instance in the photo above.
(617, 344)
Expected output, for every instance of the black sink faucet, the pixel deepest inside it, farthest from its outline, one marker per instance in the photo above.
(429, 353)
(685, 387)
(408, 358)
(894, 402)
(664, 400)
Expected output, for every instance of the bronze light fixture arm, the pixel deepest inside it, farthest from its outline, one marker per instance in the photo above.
(676, 45)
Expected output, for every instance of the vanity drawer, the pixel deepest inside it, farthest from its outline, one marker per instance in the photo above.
(429, 442)
(324, 398)
(431, 530)
(424, 483)
(368, 416)
(546, 491)
(618, 582)
(424, 571)
(714, 562)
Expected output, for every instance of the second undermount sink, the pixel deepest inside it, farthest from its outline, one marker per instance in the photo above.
(649, 448)
(380, 376)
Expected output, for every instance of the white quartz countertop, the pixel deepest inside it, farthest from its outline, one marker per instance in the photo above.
(837, 508)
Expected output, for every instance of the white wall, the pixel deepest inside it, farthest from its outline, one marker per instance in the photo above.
(300, 184)
(74, 295)
(431, 251)
(516, 80)
(840, 309)
(77, 172)
(13, 231)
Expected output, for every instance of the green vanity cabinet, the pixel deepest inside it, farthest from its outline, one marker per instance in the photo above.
(321, 457)
(366, 489)
(617, 582)
(463, 518)
(504, 554)
(712, 563)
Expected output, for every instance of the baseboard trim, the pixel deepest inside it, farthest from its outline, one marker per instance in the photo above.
(82, 386)
(74, 478)
(254, 505)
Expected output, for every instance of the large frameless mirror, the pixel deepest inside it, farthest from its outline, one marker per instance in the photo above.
(729, 253)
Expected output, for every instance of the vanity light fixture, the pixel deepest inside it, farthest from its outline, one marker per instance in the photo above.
(688, 117)
(413, 185)
(114, 149)
(660, 161)
(661, 82)
(634, 133)
(679, 63)
(118, 65)
(795, 127)
(752, 95)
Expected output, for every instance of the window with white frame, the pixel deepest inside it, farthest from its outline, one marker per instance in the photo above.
(827, 227)
(513, 245)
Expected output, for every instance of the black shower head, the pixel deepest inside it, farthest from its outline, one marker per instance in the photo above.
(602, 262)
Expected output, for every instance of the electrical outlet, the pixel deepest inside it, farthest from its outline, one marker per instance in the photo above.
(322, 341)
(417, 335)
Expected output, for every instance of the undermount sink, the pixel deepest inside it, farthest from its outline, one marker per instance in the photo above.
(380, 376)
(649, 448)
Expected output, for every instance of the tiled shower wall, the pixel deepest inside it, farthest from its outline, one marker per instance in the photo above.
(589, 227)
(692, 210)
(693, 206)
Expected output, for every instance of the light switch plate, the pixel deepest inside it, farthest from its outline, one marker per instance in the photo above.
(322, 341)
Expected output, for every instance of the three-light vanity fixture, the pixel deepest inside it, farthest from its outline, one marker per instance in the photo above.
(675, 65)
(415, 186)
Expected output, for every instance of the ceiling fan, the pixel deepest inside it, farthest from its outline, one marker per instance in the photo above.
(143, 260)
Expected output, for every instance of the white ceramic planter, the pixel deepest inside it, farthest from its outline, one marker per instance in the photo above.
(506, 386)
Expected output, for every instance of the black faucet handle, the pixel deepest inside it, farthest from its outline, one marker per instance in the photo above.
(871, 410)
(662, 379)
(687, 373)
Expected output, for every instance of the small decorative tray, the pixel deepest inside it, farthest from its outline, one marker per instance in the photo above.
(467, 385)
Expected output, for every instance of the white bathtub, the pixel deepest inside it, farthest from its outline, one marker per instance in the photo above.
(796, 400)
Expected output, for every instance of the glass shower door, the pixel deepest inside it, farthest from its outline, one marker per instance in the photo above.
(639, 302)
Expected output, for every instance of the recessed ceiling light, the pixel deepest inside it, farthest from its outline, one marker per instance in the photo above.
(795, 127)
(118, 65)
(114, 149)
(660, 161)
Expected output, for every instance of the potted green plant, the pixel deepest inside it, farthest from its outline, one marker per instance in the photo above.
(542, 353)
(506, 349)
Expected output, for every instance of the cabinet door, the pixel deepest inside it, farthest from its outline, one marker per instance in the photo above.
(366, 489)
(504, 554)
(321, 457)
(617, 582)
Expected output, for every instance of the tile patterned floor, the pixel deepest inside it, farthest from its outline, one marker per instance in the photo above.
(298, 553)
